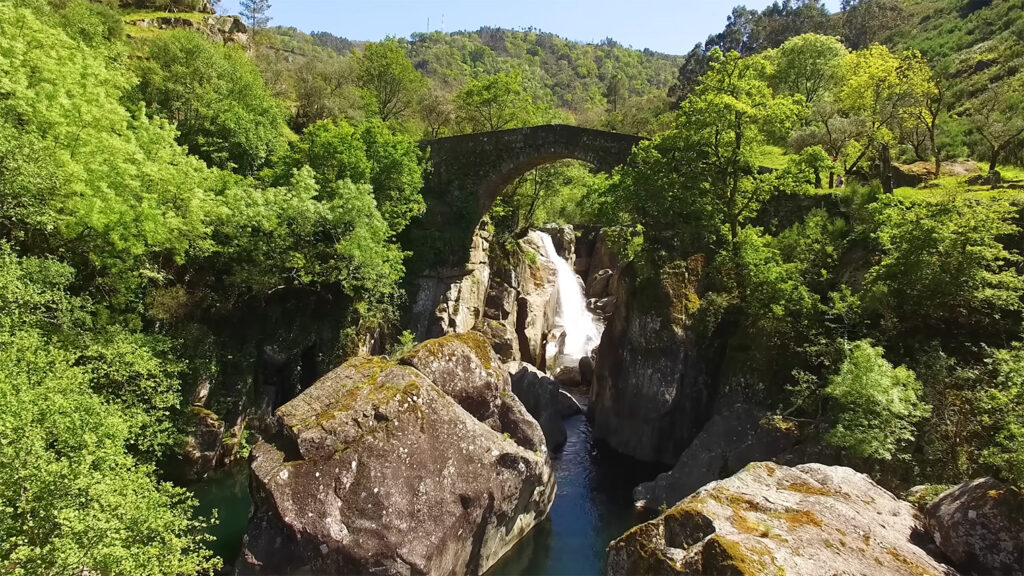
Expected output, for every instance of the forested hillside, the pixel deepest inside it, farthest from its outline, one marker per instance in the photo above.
(601, 85)
(199, 219)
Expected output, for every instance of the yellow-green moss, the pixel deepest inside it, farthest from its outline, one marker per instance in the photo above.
(795, 518)
(912, 567)
(474, 341)
(750, 559)
(808, 488)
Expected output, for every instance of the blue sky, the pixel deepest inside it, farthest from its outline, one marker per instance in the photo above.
(671, 26)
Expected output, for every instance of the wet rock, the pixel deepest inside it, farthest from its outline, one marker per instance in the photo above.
(768, 519)
(567, 405)
(541, 396)
(564, 240)
(602, 258)
(204, 446)
(732, 439)
(600, 284)
(979, 525)
(586, 367)
(379, 471)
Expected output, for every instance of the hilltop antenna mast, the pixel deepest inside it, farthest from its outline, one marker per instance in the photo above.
(442, 23)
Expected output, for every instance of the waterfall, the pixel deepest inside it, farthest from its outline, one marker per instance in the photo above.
(581, 329)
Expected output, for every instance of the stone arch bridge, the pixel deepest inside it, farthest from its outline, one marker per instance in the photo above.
(466, 174)
(486, 163)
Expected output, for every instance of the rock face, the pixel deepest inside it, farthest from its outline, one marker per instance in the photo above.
(650, 393)
(732, 439)
(226, 29)
(172, 5)
(980, 526)
(380, 470)
(452, 301)
(810, 520)
(203, 448)
(541, 396)
(536, 303)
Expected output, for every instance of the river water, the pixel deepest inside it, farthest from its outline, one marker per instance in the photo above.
(593, 506)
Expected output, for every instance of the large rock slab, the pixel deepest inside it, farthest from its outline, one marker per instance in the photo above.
(733, 438)
(536, 303)
(379, 471)
(811, 520)
(651, 391)
(464, 367)
(980, 526)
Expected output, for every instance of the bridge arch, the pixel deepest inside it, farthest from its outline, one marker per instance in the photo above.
(466, 174)
(478, 167)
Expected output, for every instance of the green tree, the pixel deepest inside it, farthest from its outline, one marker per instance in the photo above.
(810, 65)
(876, 406)
(223, 110)
(495, 102)
(72, 497)
(1001, 416)
(998, 116)
(388, 80)
(256, 13)
(882, 87)
(727, 117)
(866, 22)
(395, 174)
(943, 273)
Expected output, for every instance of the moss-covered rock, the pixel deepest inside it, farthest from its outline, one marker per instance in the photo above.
(378, 470)
(771, 520)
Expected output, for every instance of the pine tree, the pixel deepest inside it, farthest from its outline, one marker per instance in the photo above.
(255, 13)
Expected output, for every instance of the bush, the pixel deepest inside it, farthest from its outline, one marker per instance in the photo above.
(876, 406)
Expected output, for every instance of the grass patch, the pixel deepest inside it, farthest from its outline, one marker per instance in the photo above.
(772, 157)
(150, 15)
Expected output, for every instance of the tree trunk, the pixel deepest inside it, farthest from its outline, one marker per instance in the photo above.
(831, 180)
(885, 163)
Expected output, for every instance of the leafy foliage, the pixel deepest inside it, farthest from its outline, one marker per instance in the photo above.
(878, 405)
(215, 96)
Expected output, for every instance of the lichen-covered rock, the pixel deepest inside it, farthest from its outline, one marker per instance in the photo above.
(378, 471)
(225, 29)
(465, 367)
(540, 393)
(766, 520)
(980, 526)
(499, 321)
(651, 391)
(733, 438)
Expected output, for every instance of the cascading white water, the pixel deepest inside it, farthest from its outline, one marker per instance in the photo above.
(581, 328)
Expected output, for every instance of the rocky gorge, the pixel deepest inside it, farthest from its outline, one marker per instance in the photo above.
(443, 460)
